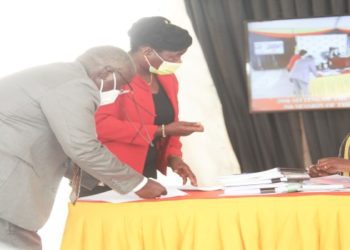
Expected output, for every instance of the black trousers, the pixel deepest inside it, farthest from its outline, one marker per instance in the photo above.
(98, 189)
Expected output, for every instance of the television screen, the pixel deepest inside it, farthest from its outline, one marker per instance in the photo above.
(298, 64)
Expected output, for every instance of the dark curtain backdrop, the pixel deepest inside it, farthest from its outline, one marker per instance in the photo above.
(264, 140)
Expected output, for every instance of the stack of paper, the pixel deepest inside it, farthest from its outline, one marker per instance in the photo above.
(268, 176)
(327, 183)
(276, 180)
(274, 188)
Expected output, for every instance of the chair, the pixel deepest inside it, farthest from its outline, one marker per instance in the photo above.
(344, 150)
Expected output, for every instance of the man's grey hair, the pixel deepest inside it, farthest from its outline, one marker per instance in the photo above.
(97, 58)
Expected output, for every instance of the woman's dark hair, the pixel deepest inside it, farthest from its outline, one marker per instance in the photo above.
(158, 33)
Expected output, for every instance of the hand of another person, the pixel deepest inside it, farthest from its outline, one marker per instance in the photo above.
(314, 172)
(152, 189)
(183, 128)
(333, 165)
(328, 166)
(182, 169)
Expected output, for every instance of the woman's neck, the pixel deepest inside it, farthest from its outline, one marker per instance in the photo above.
(142, 71)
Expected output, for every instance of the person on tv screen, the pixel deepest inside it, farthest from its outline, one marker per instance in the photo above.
(295, 58)
(300, 74)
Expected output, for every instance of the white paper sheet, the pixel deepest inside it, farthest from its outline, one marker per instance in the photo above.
(321, 187)
(274, 188)
(189, 187)
(331, 179)
(114, 197)
(266, 176)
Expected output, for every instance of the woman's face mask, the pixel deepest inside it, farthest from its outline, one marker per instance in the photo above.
(165, 68)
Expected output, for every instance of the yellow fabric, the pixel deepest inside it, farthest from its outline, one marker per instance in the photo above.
(346, 153)
(265, 223)
(330, 86)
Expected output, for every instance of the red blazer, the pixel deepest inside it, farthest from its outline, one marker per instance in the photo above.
(292, 61)
(126, 127)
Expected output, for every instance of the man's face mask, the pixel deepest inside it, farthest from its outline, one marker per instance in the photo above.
(108, 97)
(165, 68)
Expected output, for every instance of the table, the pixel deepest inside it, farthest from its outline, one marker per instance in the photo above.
(204, 221)
(339, 62)
(330, 86)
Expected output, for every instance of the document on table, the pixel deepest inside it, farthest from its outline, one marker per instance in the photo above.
(274, 188)
(322, 187)
(327, 183)
(114, 197)
(189, 187)
(331, 180)
(264, 177)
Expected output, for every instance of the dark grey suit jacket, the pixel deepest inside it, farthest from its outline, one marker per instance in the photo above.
(47, 118)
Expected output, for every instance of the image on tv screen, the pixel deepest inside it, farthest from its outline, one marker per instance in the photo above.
(298, 64)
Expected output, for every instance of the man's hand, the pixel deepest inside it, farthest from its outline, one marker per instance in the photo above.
(182, 169)
(152, 189)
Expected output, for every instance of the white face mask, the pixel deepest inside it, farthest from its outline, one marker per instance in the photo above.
(108, 97)
(165, 68)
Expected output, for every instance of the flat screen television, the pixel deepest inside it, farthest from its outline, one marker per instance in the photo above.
(298, 64)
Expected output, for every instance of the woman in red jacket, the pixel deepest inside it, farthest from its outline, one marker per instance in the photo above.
(141, 127)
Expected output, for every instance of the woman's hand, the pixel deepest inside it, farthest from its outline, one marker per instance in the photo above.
(182, 169)
(328, 166)
(183, 128)
(315, 172)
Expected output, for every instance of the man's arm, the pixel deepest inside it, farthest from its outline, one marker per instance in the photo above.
(313, 69)
(69, 110)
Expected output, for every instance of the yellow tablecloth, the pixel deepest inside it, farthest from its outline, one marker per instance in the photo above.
(330, 86)
(294, 222)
